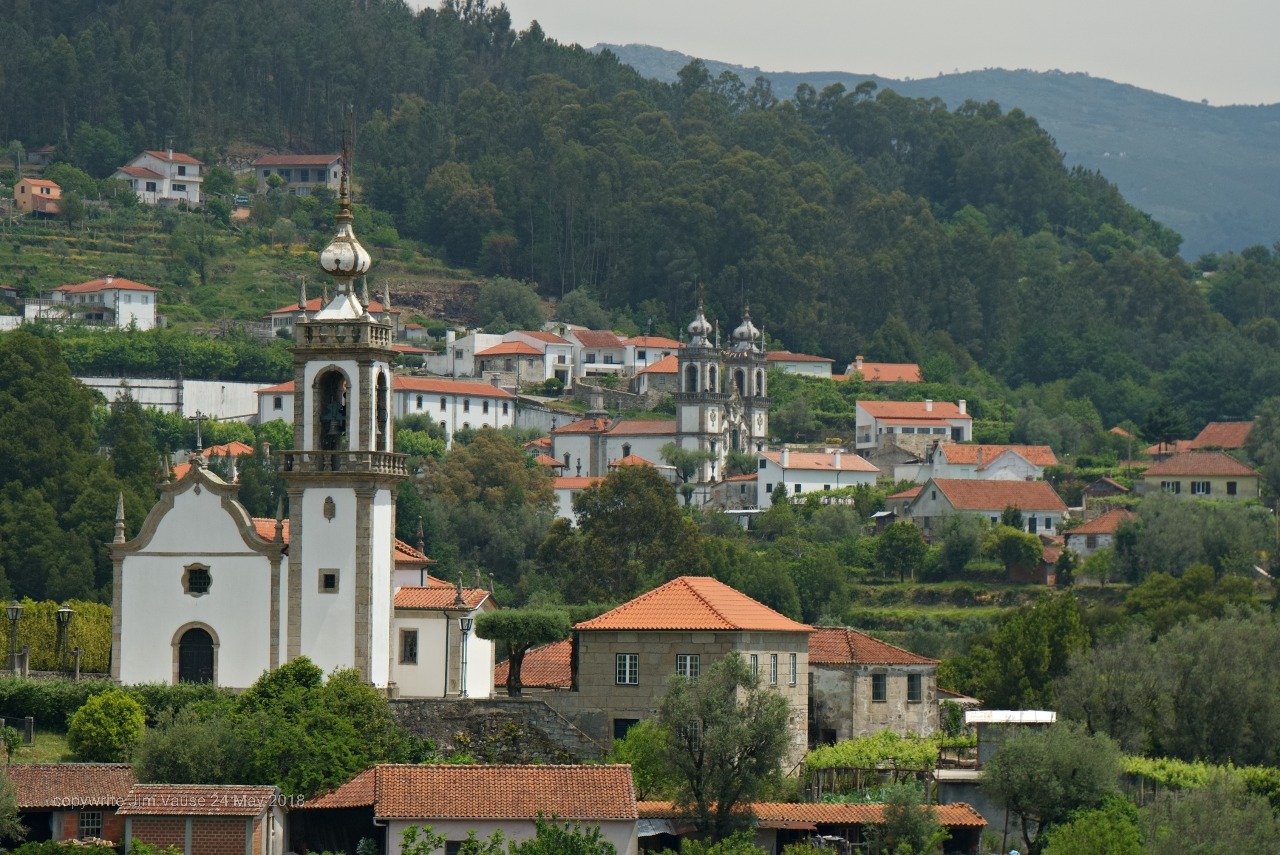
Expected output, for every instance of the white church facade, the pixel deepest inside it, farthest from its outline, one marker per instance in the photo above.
(204, 594)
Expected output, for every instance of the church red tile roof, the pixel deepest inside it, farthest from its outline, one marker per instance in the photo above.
(266, 529)
(61, 785)
(575, 482)
(954, 815)
(646, 427)
(198, 800)
(1207, 463)
(545, 667)
(486, 792)
(544, 459)
(971, 494)
(439, 597)
(693, 602)
(630, 460)
(837, 645)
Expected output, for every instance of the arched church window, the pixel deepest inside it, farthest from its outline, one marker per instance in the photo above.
(691, 379)
(759, 383)
(712, 385)
(740, 380)
(195, 656)
(331, 408)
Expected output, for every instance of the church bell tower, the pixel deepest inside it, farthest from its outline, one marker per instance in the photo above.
(342, 473)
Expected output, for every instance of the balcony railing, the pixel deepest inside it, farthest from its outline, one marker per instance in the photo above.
(343, 334)
(352, 462)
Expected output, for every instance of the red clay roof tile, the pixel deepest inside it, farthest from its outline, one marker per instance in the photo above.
(1105, 523)
(894, 410)
(971, 494)
(60, 785)
(966, 455)
(1201, 463)
(199, 800)
(837, 645)
(693, 602)
(813, 460)
(545, 667)
(439, 598)
(1223, 435)
(598, 338)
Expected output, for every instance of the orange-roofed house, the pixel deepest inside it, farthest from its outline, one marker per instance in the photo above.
(455, 800)
(1201, 475)
(1226, 436)
(71, 801)
(433, 657)
(861, 685)
(588, 445)
(461, 356)
(807, 472)
(566, 488)
(1042, 509)
(624, 657)
(302, 174)
(37, 196)
(641, 351)
(109, 301)
(163, 177)
(1097, 533)
(799, 363)
(990, 462)
(597, 353)
(885, 372)
(659, 376)
(911, 424)
(205, 819)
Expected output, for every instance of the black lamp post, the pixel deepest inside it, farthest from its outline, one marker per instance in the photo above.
(15, 614)
(64, 621)
(464, 623)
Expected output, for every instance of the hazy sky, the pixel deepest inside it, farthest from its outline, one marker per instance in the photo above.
(1222, 50)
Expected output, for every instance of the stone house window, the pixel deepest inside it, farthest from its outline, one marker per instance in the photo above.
(793, 671)
(773, 669)
(914, 692)
(687, 665)
(627, 667)
(879, 688)
(1231, 488)
(622, 725)
(755, 665)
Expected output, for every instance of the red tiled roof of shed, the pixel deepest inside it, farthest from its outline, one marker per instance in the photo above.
(58, 785)
(198, 800)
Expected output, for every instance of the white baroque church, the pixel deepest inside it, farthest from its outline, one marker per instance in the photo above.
(204, 593)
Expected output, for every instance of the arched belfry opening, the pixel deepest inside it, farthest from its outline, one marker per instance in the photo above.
(759, 391)
(382, 423)
(740, 380)
(691, 379)
(712, 384)
(331, 410)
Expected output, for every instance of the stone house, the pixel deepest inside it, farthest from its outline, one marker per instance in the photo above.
(1201, 475)
(622, 659)
(71, 801)
(859, 685)
(1097, 533)
(381, 802)
(206, 819)
(1042, 509)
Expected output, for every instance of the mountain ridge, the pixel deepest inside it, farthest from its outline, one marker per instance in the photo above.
(1199, 169)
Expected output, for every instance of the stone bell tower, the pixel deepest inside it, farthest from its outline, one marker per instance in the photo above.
(342, 474)
(701, 403)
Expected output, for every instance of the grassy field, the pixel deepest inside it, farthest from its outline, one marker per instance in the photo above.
(49, 747)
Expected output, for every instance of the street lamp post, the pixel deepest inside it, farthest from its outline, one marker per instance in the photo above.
(64, 621)
(464, 623)
(15, 614)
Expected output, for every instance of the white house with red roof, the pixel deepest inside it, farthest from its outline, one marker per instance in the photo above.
(1201, 475)
(1042, 509)
(1097, 533)
(462, 356)
(587, 446)
(910, 423)
(807, 472)
(800, 363)
(163, 177)
(625, 656)
(989, 462)
(641, 351)
(660, 376)
(110, 301)
(434, 658)
(302, 173)
(566, 488)
(456, 800)
(597, 353)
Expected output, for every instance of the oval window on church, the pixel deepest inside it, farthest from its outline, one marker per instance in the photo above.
(196, 580)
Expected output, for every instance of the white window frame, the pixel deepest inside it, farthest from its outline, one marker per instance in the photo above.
(688, 665)
(626, 669)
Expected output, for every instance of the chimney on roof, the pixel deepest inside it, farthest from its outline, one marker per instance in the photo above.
(835, 459)
(857, 362)
(786, 457)
(928, 405)
(168, 153)
(964, 407)
(110, 276)
(495, 378)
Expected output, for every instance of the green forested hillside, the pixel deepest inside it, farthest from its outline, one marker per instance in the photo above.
(850, 222)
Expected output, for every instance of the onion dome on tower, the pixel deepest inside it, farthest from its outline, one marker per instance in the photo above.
(345, 260)
(746, 336)
(699, 330)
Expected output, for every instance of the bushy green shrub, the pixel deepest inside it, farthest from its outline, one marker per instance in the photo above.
(107, 727)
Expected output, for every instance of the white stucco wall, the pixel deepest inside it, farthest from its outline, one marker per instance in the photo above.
(382, 527)
(154, 608)
(426, 678)
(328, 620)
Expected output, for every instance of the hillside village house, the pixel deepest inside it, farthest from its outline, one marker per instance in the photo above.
(1097, 533)
(461, 355)
(1203, 475)
(454, 800)
(660, 376)
(641, 351)
(597, 353)
(453, 404)
(884, 372)
(807, 472)
(587, 446)
(163, 177)
(37, 196)
(800, 363)
(302, 174)
(110, 301)
(911, 424)
(859, 685)
(434, 658)
(989, 462)
(623, 657)
(1042, 509)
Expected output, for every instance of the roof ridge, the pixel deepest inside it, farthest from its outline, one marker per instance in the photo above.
(715, 611)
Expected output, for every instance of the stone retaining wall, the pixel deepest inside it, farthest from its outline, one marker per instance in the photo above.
(497, 730)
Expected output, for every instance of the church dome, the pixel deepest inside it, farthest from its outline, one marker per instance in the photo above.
(699, 329)
(746, 335)
(344, 257)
